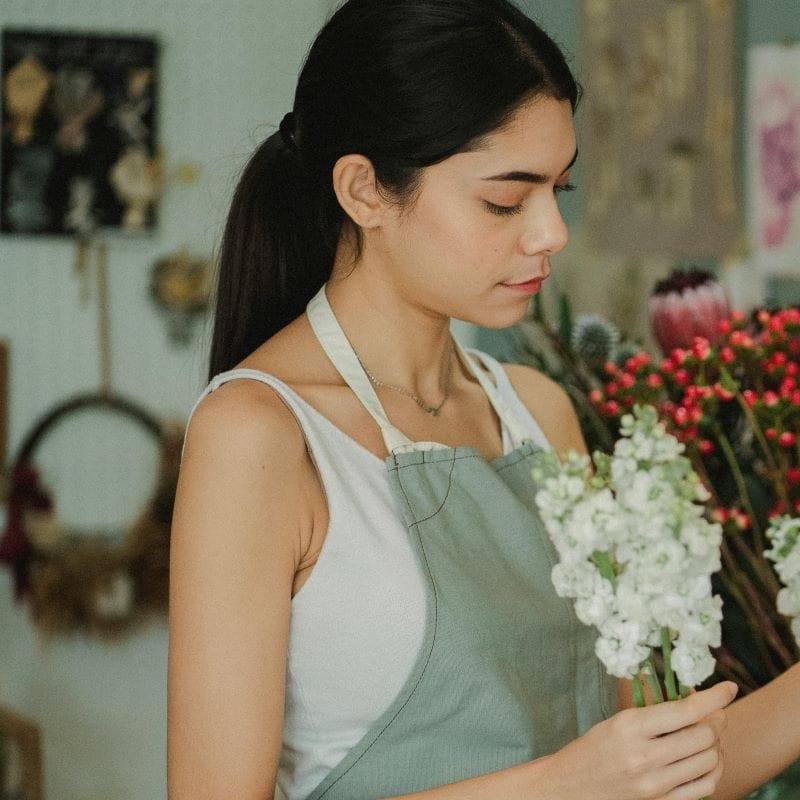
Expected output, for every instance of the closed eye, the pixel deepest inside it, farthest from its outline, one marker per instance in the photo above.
(503, 211)
(564, 187)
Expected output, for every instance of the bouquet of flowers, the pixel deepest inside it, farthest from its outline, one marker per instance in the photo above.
(636, 554)
(728, 389)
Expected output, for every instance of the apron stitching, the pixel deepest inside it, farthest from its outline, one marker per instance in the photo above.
(422, 671)
(453, 457)
(453, 460)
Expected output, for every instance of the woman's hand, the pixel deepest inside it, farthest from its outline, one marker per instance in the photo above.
(669, 751)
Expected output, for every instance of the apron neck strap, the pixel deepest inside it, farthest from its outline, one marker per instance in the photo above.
(341, 353)
(337, 347)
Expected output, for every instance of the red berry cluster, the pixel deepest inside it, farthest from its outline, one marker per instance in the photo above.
(744, 386)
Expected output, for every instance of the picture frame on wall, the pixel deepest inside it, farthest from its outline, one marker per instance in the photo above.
(79, 145)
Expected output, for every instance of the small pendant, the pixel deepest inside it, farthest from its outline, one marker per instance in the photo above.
(433, 412)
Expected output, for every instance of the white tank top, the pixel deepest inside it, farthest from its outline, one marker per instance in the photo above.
(358, 621)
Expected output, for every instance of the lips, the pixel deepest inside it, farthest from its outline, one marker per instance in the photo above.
(531, 286)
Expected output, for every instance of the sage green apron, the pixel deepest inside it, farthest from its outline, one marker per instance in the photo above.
(506, 672)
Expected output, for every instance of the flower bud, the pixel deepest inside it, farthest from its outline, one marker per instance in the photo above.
(686, 305)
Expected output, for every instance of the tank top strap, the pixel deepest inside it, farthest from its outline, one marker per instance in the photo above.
(242, 373)
(522, 425)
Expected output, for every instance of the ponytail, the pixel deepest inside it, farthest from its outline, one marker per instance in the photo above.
(277, 251)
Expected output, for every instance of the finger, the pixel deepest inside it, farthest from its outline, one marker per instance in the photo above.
(700, 787)
(690, 740)
(690, 769)
(677, 714)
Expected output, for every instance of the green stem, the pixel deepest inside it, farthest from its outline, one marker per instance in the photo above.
(738, 477)
(638, 691)
(760, 622)
(652, 680)
(669, 675)
(760, 567)
(780, 489)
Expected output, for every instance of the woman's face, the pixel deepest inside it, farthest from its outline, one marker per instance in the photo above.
(476, 243)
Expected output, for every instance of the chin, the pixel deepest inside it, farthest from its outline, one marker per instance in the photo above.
(499, 318)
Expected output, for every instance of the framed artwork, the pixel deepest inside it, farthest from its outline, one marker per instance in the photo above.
(658, 123)
(78, 149)
(774, 161)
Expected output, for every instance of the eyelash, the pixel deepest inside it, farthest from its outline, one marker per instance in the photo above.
(510, 211)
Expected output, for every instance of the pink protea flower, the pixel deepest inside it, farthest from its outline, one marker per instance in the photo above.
(687, 305)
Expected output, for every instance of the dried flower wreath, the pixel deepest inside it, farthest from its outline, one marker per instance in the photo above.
(75, 583)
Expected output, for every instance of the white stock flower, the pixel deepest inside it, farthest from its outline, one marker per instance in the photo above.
(619, 647)
(640, 511)
(784, 533)
(692, 662)
(596, 607)
(574, 580)
(788, 601)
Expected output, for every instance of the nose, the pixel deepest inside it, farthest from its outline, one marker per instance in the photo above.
(547, 232)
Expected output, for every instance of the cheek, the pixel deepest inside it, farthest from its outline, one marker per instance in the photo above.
(457, 234)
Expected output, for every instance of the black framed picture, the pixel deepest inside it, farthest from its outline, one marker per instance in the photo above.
(79, 146)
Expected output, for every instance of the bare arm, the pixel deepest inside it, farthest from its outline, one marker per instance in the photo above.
(762, 737)
(235, 545)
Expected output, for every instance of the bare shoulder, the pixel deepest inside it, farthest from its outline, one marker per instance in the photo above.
(550, 405)
(245, 452)
(246, 417)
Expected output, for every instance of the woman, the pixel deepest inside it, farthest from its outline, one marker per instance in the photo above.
(360, 598)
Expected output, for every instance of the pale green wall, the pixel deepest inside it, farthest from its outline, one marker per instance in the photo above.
(228, 76)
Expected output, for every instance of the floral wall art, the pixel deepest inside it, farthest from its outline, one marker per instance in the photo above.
(774, 174)
(78, 133)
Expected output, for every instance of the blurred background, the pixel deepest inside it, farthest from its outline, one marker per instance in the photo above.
(104, 286)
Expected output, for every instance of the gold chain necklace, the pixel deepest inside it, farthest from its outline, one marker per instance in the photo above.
(428, 409)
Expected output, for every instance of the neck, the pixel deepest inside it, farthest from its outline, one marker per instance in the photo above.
(398, 340)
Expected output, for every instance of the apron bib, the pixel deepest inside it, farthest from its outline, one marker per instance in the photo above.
(506, 672)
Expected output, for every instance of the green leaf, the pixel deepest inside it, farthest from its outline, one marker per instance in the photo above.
(565, 323)
(605, 566)
(726, 380)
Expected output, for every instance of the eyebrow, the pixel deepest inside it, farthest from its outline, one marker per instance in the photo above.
(529, 177)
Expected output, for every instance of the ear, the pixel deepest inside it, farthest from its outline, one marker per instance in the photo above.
(356, 190)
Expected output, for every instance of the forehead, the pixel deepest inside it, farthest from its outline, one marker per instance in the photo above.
(539, 137)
